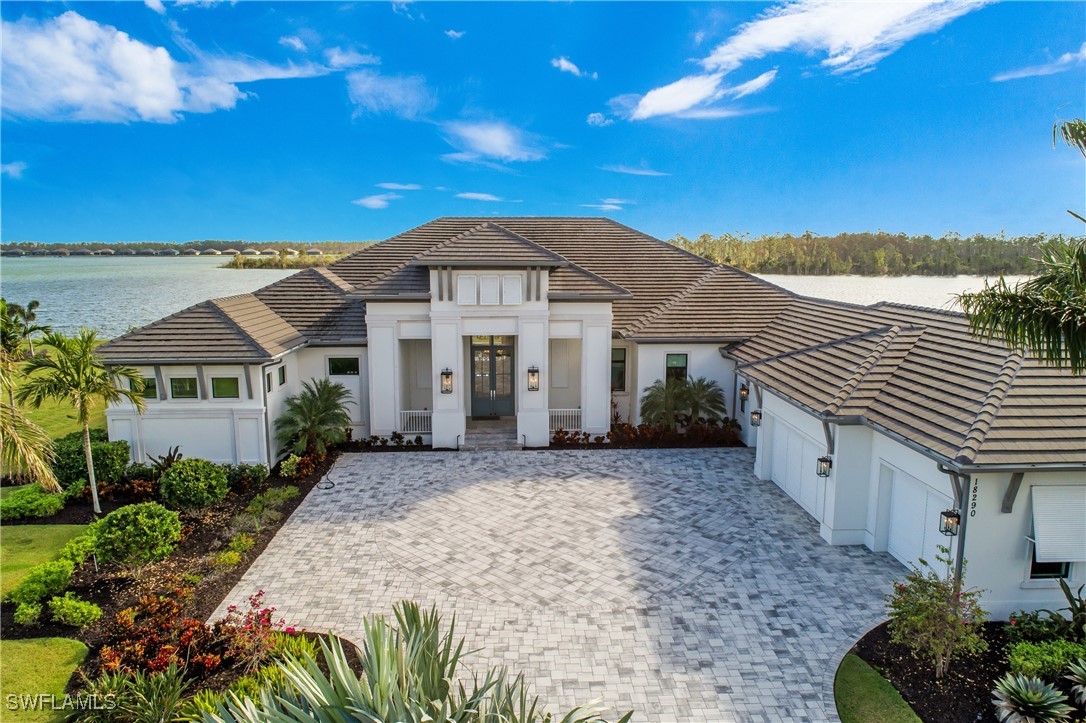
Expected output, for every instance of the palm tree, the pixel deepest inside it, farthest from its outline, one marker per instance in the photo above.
(25, 448)
(1073, 133)
(315, 417)
(10, 340)
(662, 402)
(705, 399)
(27, 317)
(74, 373)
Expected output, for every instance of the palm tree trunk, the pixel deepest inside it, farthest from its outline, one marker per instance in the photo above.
(31, 343)
(90, 468)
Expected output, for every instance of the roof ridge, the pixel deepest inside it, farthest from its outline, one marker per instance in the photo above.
(669, 303)
(513, 235)
(332, 278)
(817, 347)
(239, 327)
(853, 383)
(993, 401)
(649, 237)
(917, 307)
(400, 267)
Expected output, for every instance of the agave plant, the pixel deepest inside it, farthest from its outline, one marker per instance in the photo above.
(1073, 626)
(1077, 676)
(1021, 699)
(315, 417)
(410, 675)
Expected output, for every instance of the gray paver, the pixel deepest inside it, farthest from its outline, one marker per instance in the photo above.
(668, 581)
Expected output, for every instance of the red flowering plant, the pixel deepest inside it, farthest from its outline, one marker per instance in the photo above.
(249, 634)
(933, 615)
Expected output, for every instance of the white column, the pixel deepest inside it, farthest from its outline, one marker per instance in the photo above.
(533, 413)
(449, 420)
(383, 353)
(844, 519)
(596, 376)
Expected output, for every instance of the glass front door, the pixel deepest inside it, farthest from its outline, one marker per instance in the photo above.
(492, 377)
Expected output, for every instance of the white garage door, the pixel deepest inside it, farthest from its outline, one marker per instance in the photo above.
(914, 519)
(794, 457)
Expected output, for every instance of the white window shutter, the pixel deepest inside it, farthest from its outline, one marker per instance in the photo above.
(465, 290)
(511, 290)
(488, 290)
(1059, 522)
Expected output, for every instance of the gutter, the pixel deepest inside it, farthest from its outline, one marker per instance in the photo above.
(960, 485)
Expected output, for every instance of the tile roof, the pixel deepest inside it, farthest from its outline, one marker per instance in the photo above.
(488, 244)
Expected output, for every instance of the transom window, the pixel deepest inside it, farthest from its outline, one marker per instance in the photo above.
(184, 388)
(150, 387)
(618, 370)
(675, 366)
(342, 366)
(268, 382)
(225, 387)
(282, 375)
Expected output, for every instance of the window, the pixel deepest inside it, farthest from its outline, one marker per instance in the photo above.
(1047, 570)
(150, 387)
(340, 366)
(267, 382)
(225, 387)
(618, 370)
(183, 388)
(676, 366)
(282, 375)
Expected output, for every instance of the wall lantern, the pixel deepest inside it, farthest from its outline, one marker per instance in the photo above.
(533, 379)
(756, 417)
(446, 381)
(824, 465)
(949, 521)
(744, 392)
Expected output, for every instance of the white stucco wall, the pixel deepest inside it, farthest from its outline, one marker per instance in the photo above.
(312, 363)
(565, 373)
(703, 360)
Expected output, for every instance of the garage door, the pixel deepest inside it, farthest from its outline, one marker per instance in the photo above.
(914, 519)
(794, 457)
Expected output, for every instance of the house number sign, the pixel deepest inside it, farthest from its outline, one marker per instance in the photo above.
(973, 500)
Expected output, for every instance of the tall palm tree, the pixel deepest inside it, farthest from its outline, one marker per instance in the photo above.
(27, 327)
(662, 402)
(25, 448)
(705, 399)
(315, 417)
(10, 339)
(71, 371)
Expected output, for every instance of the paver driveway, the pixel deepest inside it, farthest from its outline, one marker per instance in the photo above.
(668, 581)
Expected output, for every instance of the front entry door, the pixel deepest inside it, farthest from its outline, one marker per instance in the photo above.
(492, 377)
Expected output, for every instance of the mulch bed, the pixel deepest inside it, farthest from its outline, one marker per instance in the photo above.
(963, 695)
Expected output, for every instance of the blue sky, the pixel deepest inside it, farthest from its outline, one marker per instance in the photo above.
(310, 121)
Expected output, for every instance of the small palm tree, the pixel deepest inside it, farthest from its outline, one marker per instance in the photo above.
(662, 402)
(315, 417)
(25, 448)
(72, 372)
(27, 327)
(705, 399)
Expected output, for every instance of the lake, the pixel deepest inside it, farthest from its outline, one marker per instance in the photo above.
(115, 294)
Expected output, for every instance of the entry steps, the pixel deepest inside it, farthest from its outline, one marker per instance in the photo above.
(491, 435)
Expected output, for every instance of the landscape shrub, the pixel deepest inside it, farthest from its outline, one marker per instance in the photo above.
(70, 463)
(241, 543)
(1076, 673)
(1030, 626)
(289, 466)
(27, 613)
(249, 633)
(1047, 659)
(934, 616)
(136, 535)
(41, 582)
(1073, 626)
(31, 501)
(1022, 699)
(74, 611)
(78, 549)
(241, 477)
(263, 509)
(156, 633)
(193, 483)
(289, 643)
(138, 697)
(226, 558)
(140, 471)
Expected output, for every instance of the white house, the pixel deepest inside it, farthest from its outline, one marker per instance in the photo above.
(541, 323)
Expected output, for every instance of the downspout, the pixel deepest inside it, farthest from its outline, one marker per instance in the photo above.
(960, 484)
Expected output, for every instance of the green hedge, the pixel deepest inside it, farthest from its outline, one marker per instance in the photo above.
(1047, 659)
(110, 458)
(45, 580)
(193, 483)
(30, 501)
(135, 535)
(74, 611)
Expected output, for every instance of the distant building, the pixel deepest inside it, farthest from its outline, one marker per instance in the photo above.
(169, 252)
(313, 252)
(211, 252)
(12, 252)
(250, 252)
(230, 252)
(190, 252)
(104, 252)
(292, 252)
(60, 251)
(269, 252)
(82, 252)
(146, 252)
(125, 252)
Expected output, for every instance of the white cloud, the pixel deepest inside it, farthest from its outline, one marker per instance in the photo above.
(491, 141)
(293, 41)
(13, 170)
(400, 186)
(69, 68)
(349, 58)
(602, 206)
(618, 201)
(633, 170)
(479, 197)
(566, 65)
(406, 96)
(156, 5)
(377, 201)
(853, 37)
(599, 120)
(720, 112)
(455, 34)
(1065, 62)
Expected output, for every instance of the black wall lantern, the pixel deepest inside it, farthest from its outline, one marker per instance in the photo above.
(825, 463)
(446, 381)
(949, 522)
(744, 392)
(533, 379)
(756, 417)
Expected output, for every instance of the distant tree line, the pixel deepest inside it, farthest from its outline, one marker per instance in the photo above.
(328, 247)
(871, 254)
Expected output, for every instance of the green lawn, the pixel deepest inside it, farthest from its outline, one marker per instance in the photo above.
(24, 546)
(864, 696)
(58, 418)
(37, 666)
